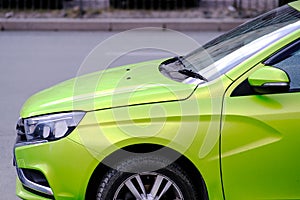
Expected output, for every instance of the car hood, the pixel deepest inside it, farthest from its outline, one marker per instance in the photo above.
(133, 84)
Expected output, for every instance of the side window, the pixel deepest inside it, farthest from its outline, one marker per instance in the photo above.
(289, 61)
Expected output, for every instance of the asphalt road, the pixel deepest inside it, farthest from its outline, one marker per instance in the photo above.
(32, 61)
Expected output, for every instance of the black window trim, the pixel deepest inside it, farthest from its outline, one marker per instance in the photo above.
(274, 57)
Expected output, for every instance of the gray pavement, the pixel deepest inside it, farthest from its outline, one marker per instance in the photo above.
(32, 61)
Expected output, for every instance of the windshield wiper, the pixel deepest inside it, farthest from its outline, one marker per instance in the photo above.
(192, 74)
(180, 60)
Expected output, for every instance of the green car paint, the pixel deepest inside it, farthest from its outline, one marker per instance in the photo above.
(107, 89)
(244, 144)
(264, 131)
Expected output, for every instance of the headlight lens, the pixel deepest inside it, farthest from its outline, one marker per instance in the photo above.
(51, 127)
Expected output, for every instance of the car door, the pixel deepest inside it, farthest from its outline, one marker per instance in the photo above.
(260, 136)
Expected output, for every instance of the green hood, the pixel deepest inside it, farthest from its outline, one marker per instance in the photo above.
(128, 85)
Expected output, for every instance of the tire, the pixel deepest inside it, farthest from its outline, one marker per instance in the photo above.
(170, 180)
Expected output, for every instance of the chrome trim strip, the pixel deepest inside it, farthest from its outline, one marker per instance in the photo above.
(32, 185)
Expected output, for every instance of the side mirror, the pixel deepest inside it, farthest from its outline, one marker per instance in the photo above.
(268, 80)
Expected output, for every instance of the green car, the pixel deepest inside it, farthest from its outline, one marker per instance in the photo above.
(220, 122)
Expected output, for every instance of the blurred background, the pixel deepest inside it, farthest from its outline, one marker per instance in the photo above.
(136, 8)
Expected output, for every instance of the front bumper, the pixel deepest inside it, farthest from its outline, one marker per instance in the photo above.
(34, 184)
(25, 194)
(53, 170)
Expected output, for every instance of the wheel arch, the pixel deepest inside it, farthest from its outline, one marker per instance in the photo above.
(190, 169)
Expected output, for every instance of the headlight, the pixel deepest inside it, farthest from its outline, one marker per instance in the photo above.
(51, 127)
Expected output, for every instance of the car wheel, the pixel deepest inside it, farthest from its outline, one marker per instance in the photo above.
(166, 182)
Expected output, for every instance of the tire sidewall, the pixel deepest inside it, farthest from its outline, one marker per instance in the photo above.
(142, 164)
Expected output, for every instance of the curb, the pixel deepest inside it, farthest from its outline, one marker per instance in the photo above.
(60, 24)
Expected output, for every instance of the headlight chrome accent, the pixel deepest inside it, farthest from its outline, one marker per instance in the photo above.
(51, 127)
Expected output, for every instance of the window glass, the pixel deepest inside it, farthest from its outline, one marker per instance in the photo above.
(240, 37)
(289, 61)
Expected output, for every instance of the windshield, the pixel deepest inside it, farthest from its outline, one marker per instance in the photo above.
(228, 50)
